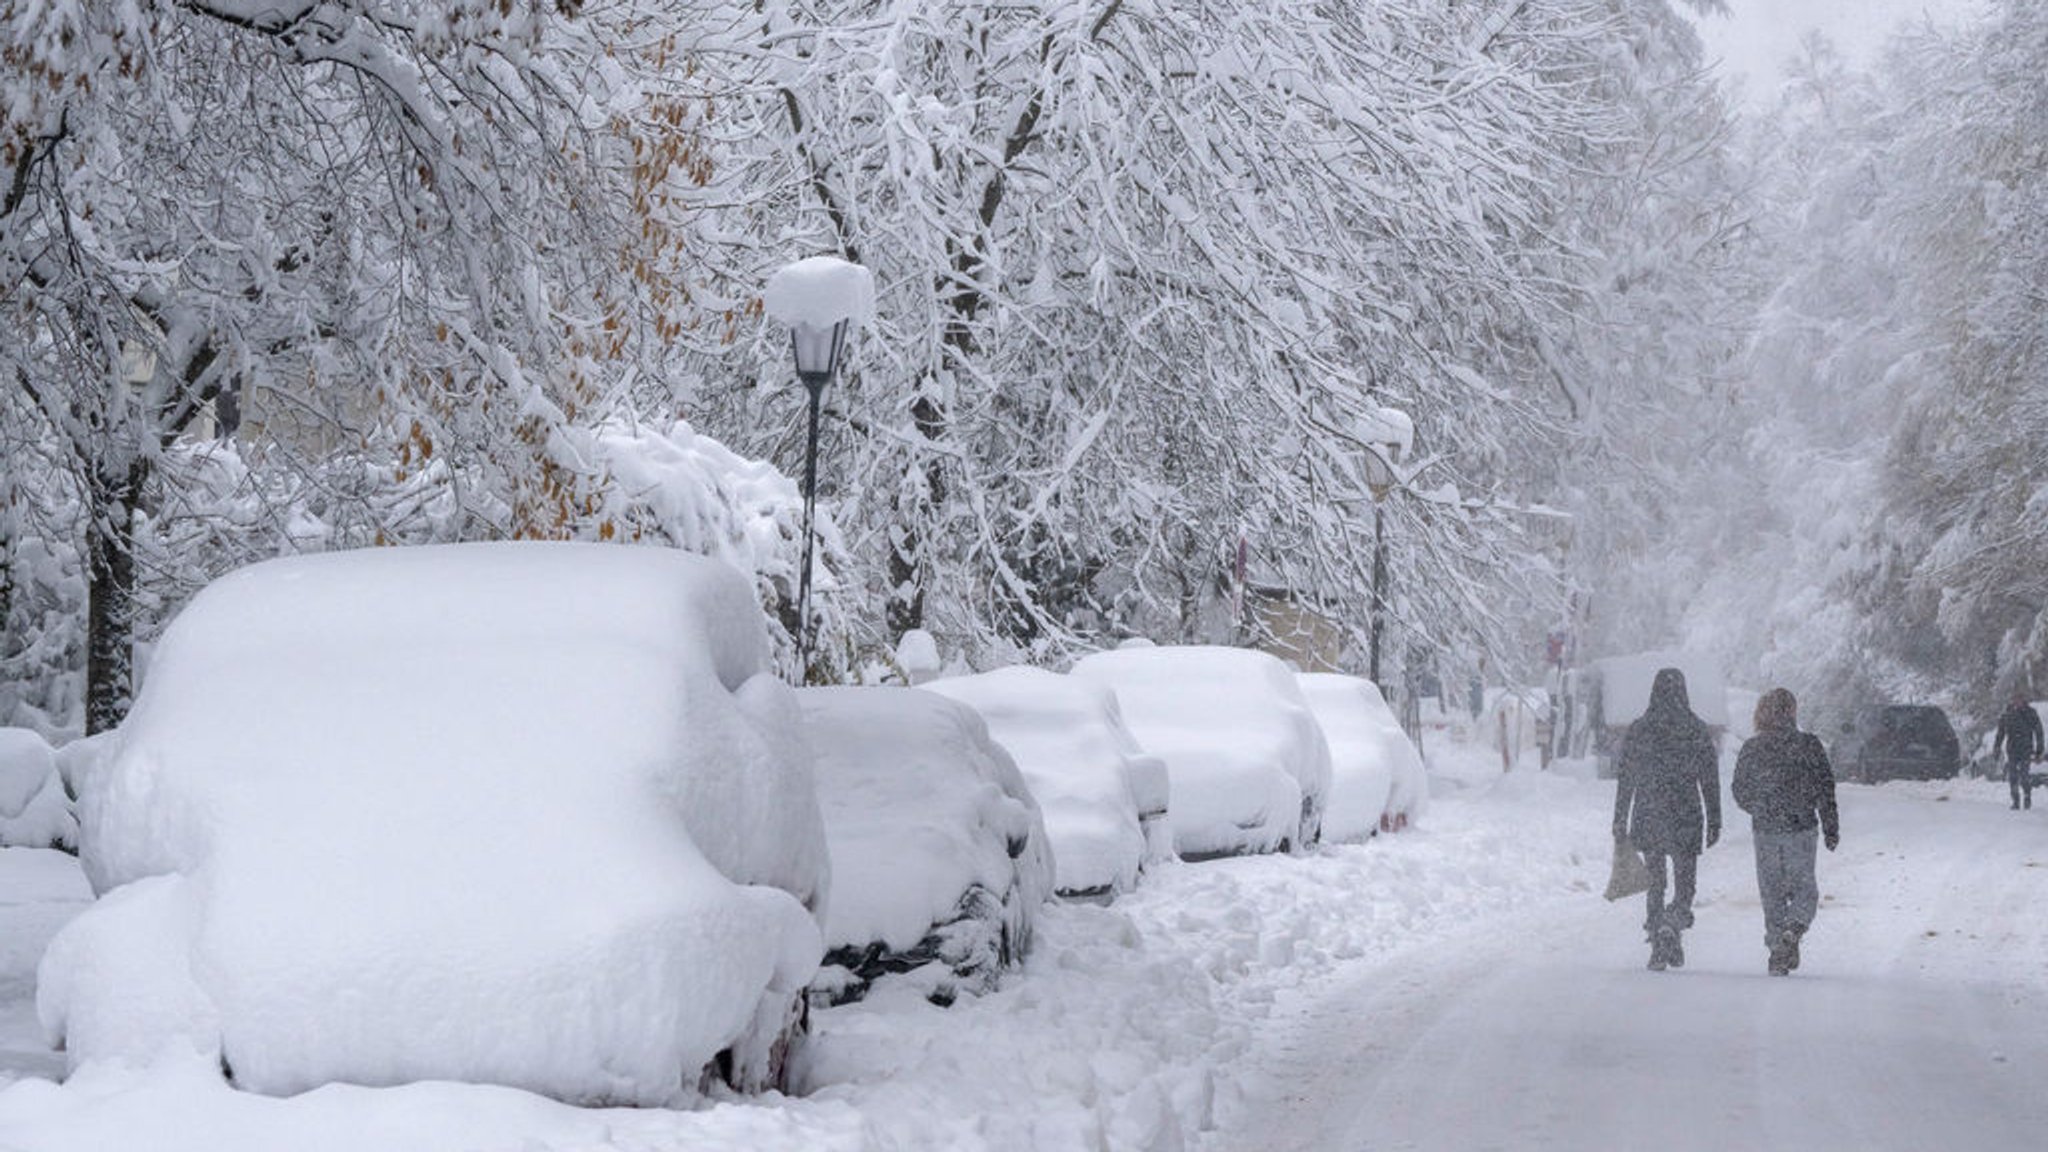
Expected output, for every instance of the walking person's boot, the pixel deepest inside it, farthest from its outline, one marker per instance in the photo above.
(1785, 950)
(1664, 949)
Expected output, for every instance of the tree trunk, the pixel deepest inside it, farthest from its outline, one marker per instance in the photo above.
(921, 492)
(110, 597)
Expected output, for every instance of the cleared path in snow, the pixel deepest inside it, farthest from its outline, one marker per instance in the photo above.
(1919, 1019)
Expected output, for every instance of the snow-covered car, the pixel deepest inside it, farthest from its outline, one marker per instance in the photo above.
(516, 813)
(939, 856)
(1245, 759)
(1098, 791)
(1368, 752)
(1898, 742)
(1409, 796)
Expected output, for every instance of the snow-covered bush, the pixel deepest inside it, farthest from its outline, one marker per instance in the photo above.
(1248, 766)
(1350, 711)
(35, 812)
(678, 486)
(1082, 765)
(26, 764)
(526, 814)
(42, 635)
(939, 856)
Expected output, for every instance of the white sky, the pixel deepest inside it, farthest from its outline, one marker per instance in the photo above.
(1759, 34)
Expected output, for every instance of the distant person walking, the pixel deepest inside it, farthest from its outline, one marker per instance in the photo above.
(1783, 780)
(2019, 738)
(1667, 802)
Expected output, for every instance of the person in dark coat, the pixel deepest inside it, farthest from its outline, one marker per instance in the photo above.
(2019, 739)
(1667, 802)
(1783, 780)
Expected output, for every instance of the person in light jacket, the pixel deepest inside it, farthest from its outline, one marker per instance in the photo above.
(1784, 782)
(1667, 802)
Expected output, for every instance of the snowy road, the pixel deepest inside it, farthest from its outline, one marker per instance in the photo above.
(1918, 1020)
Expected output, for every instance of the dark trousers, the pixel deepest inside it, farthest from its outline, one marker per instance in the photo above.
(2019, 780)
(1684, 878)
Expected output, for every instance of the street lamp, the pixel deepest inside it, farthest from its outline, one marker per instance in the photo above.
(817, 361)
(1387, 434)
(821, 299)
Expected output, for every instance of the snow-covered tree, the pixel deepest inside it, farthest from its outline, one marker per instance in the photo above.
(423, 232)
(1893, 393)
(1146, 271)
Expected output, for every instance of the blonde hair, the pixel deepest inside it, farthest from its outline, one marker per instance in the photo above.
(1776, 709)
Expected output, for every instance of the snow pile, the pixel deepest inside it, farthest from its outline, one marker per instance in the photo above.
(820, 291)
(34, 810)
(1072, 747)
(26, 765)
(917, 654)
(939, 856)
(1388, 429)
(1361, 752)
(1248, 766)
(470, 812)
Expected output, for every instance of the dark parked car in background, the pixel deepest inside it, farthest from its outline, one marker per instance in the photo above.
(1898, 742)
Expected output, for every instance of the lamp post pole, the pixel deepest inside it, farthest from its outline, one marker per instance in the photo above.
(1379, 480)
(817, 359)
(1379, 585)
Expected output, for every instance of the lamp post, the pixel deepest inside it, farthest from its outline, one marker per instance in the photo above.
(821, 299)
(1379, 477)
(1386, 434)
(817, 351)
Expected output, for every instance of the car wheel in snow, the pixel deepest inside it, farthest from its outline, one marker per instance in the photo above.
(763, 1057)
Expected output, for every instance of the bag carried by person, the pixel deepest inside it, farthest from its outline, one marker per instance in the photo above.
(1628, 875)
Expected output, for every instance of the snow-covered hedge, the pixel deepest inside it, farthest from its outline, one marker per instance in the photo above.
(526, 814)
(939, 855)
(1081, 763)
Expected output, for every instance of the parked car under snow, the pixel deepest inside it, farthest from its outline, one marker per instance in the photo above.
(1104, 799)
(939, 856)
(1368, 751)
(1247, 765)
(1898, 742)
(525, 814)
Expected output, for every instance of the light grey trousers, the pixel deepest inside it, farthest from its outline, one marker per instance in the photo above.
(1784, 879)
